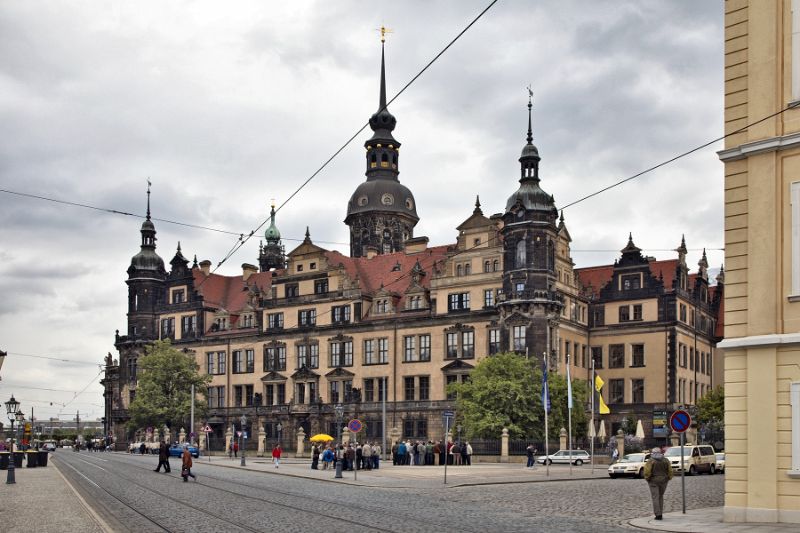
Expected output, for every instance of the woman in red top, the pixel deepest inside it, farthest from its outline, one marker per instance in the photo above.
(276, 455)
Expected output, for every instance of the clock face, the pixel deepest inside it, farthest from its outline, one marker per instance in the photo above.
(387, 199)
(409, 203)
(363, 200)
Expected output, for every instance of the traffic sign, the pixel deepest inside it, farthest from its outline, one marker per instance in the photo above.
(355, 425)
(680, 421)
(208, 429)
(448, 414)
(238, 433)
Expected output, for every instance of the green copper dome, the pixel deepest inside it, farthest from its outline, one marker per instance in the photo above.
(272, 234)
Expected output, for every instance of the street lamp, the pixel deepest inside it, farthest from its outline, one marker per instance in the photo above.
(339, 408)
(243, 420)
(279, 429)
(11, 409)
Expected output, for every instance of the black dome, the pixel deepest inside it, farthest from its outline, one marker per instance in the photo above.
(382, 196)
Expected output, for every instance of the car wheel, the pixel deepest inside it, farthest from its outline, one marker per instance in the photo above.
(640, 475)
(612, 476)
(712, 470)
(578, 462)
(692, 470)
(548, 461)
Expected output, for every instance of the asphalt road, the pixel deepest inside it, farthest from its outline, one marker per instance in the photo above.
(129, 496)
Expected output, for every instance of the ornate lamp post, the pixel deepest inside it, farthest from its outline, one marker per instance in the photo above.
(243, 421)
(12, 406)
(339, 408)
(279, 429)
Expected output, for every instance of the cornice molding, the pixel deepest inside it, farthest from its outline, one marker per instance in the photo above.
(771, 144)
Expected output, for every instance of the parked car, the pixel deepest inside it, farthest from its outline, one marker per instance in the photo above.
(696, 459)
(176, 450)
(48, 447)
(577, 457)
(630, 465)
(721, 462)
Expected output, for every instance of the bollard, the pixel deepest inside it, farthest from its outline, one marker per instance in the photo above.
(338, 469)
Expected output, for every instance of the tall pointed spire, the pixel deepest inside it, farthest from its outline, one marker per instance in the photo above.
(530, 107)
(148, 198)
(382, 98)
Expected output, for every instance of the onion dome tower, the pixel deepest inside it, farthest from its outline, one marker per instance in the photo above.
(145, 281)
(272, 255)
(531, 305)
(381, 212)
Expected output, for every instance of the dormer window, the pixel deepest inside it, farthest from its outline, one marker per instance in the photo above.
(382, 306)
(631, 282)
(178, 296)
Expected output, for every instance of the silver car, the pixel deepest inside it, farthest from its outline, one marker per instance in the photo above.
(577, 457)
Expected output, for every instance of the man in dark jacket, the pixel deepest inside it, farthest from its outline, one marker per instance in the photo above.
(657, 472)
(163, 457)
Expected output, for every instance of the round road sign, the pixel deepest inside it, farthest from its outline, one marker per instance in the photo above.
(680, 421)
(355, 425)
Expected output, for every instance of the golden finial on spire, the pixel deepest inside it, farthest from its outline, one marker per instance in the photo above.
(272, 202)
(384, 30)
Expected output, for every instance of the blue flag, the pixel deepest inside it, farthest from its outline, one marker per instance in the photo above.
(545, 390)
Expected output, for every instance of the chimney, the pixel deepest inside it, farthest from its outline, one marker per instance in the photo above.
(205, 267)
(248, 270)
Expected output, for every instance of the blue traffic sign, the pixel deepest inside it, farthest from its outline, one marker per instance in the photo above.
(680, 421)
(355, 425)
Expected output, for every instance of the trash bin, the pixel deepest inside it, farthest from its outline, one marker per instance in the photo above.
(32, 458)
(18, 459)
(43, 457)
(4, 457)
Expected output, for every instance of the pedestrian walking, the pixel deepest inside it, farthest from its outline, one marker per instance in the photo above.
(235, 449)
(531, 452)
(186, 465)
(142, 447)
(276, 455)
(657, 472)
(315, 458)
(376, 456)
(163, 458)
(615, 455)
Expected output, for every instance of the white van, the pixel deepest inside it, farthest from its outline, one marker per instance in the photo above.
(697, 459)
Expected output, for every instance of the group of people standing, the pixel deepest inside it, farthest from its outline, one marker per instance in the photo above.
(353, 456)
(421, 453)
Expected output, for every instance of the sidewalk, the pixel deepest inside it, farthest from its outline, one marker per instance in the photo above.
(708, 520)
(41, 500)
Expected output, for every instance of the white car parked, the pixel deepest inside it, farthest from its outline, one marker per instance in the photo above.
(577, 457)
(630, 465)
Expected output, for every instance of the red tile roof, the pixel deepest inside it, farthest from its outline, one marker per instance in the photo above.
(229, 292)
(595, 278)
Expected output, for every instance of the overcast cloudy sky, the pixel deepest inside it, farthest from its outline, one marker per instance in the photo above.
(226, 106)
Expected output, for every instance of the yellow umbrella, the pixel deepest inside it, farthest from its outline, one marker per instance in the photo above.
(321, 437)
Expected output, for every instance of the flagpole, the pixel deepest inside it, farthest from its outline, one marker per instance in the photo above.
(569, 413)
(591, 387)
(546, 431)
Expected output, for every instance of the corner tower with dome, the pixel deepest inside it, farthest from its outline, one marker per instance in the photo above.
(381, 212)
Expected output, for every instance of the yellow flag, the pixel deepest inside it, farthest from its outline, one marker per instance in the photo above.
(602, 408)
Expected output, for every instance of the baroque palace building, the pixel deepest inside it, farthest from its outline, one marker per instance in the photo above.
(288, 340)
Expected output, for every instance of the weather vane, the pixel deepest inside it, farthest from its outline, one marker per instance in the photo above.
(530, 92)
(384, 30)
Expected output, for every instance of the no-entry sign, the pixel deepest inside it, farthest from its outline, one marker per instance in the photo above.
(680, 421)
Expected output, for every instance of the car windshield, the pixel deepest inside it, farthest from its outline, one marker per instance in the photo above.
(633, 458)
(676, 452)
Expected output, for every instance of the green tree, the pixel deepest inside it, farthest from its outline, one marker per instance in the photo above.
(711, 407)
(504, 391)
(163, 395)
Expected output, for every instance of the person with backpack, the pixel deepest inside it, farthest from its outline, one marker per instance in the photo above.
(657, 472)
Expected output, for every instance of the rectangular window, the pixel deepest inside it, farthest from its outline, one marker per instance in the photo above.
(597, 356)
(275, 321)
(458, 301)
(708, 364)
(221, 362)
(341, 314)
(682, 313)
(382, 306)
(691, 358)
(167, 328)
(369, 390)
(313, 356)
(250, 360)
(238, 362)
(381, 391)
(188, 326)
(616, 391)
(383, 350)
(348, 353)
(281, 393)
(624, 313)
(275, 358)
(449, 380)
(409, 348)
(369, 352)
(452, 345)
(795, 209)
(702, 363)
(307, 317)
(237, 396)
(637, 312)
(302, 355)
(519, 341)
(467, 344)
(292, 290)
(631, 282)
(616, 356)
(178, 296)
(637, 351)
(637, 390)
(494, 341)
(415, 429)
(210, 358)
(334, 391)
(424, 387)
(409, 388)
(488, 298)
(336, 354)
(321, 286)
(599, 316)
(425, 347)
(270, 399)
(248, 395)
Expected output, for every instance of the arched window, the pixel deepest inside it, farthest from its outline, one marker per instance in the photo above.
(487, 266)
(467, 269)
(521, 256)
(496, 265)
(458, 270)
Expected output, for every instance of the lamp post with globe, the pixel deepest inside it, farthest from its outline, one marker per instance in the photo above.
(12, 407)
(339, 408)
(243, 421)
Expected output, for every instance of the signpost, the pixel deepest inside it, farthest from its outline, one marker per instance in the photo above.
(208, 430)
(447, 421)
(355, 426)
(680, 421)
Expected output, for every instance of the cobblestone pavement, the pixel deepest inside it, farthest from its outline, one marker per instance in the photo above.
(130, 496)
